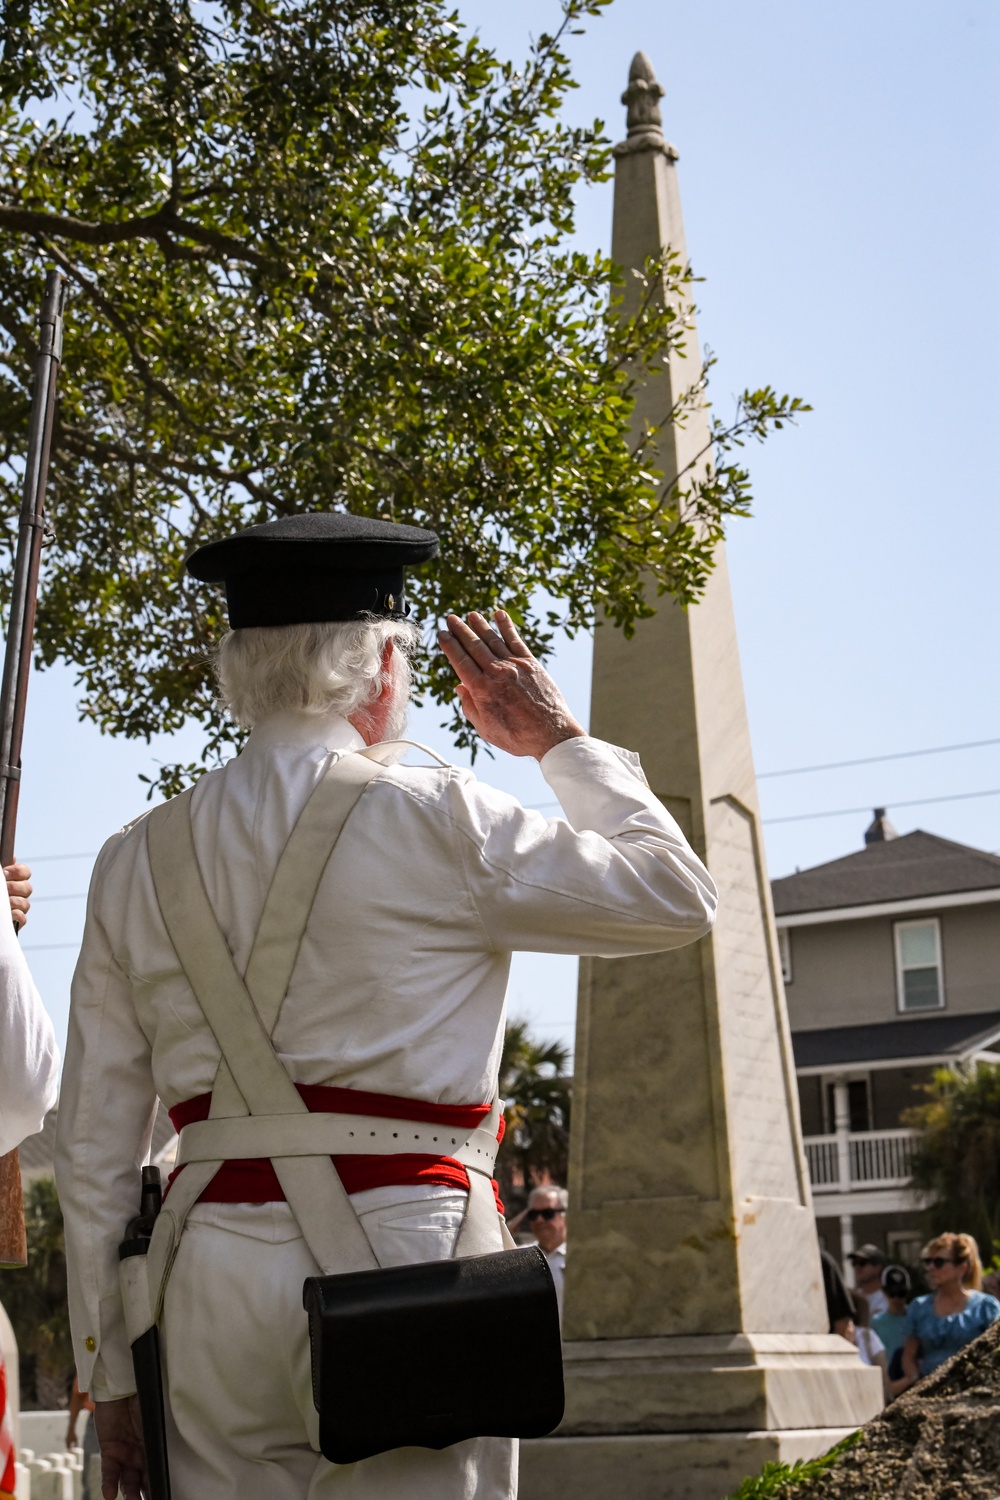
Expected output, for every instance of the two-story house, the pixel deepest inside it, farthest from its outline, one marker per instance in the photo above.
(891, 959)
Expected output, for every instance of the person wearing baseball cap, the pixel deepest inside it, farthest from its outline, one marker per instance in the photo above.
(868, 1261)
(889, 1325)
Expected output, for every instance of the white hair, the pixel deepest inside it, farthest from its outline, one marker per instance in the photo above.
(317, 669)
(562, 1196)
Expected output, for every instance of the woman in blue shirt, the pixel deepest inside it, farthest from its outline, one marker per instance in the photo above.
(953, 1313)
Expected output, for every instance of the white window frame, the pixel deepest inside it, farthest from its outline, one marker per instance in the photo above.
(900, 1244)
(897, 929)
(785, 951)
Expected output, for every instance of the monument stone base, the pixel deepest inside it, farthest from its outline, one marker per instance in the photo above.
(660, 1466)
(740, 1382)
(689, 1418)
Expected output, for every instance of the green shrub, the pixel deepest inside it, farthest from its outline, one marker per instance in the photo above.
(777, 1479)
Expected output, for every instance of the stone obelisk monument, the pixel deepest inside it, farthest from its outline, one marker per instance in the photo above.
(696, 1327)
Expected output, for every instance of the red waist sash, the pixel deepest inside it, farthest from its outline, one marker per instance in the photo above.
(254, 1180)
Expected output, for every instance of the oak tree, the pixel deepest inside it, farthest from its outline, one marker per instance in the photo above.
(319, 256)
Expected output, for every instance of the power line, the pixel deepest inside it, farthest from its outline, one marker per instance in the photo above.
(843, 812)
(41, 858)
(46, 947)
(833, 765)
(76, 896)
(871, 760)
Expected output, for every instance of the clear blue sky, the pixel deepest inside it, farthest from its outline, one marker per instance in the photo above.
(839, 174)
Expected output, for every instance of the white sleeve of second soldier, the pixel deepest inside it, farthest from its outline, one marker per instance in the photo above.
(616, 876)
(106, 1112)
(29, 1057)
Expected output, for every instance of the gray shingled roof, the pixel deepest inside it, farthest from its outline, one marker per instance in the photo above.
(907, 1036)
(917, 864)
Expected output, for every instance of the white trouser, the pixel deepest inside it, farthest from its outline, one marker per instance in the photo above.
(241, 1424)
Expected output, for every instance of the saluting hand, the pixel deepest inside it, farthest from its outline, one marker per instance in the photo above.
(506, 695)
(18, 890)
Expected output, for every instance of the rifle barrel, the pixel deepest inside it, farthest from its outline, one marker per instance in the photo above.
(24, 590)
(17, 668)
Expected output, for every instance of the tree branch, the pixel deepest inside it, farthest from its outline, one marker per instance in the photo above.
(86, 445)
(162, 226)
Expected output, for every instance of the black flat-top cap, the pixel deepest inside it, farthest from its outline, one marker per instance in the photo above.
(305, 570)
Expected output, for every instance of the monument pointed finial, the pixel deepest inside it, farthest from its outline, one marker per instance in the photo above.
(642, 99)
(643, 96)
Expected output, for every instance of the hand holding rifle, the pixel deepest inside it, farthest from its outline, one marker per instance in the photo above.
(18, 890)
(123, 1455)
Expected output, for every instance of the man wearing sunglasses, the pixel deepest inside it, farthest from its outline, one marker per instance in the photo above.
(868, 1263)
(546, 1218)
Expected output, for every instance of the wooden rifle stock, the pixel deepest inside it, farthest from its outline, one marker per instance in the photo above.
(17, 669)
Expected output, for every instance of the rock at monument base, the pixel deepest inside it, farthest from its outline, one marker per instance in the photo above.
(660, 1466)
(941, 1441)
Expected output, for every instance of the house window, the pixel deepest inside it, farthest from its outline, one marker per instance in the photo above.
(904, 1246)
(785, 949)
(918, 965)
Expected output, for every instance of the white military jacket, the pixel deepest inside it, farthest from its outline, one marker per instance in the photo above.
(29, 1057)
(400, 981)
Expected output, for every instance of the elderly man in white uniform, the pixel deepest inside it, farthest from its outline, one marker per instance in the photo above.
(395, 1006)
(29, 1057)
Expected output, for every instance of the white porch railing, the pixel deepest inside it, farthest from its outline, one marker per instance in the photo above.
(870, 1159)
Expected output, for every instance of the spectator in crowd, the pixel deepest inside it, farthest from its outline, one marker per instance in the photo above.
(868, 1344)
(868, 1263)
(80, 1404)
(952, 1314)
(889, 1325)
(545, 1216)
(839, 1302)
